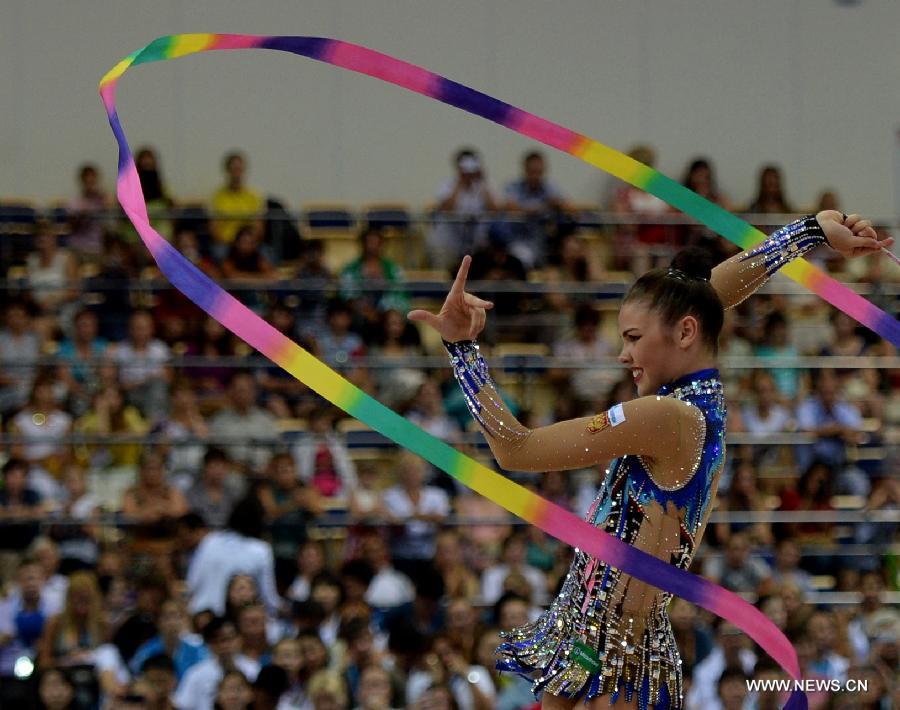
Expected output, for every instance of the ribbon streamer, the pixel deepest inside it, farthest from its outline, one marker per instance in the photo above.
(549, 517)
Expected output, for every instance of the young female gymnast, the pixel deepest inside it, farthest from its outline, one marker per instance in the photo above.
(607, 632)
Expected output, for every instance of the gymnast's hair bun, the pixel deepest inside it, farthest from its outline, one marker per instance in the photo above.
(693, 262)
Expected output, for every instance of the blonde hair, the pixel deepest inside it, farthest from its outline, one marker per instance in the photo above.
(69, 625)
(327, 682)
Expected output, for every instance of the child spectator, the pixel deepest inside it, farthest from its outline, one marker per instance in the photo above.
(327, 691)
(323, 460)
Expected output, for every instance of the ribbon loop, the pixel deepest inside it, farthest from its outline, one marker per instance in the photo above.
(550, 518)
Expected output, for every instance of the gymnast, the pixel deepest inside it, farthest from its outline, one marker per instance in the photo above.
(607, 632)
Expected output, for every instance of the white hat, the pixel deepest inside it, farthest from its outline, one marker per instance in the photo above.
(470, 164)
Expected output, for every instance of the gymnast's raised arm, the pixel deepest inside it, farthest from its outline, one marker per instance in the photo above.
(651, 426)
(740, 276)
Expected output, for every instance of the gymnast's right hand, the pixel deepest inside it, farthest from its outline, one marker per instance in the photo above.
(462, 316)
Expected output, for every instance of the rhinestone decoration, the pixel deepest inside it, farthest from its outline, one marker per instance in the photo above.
(638, 655)
(472, 374)
(783, 245)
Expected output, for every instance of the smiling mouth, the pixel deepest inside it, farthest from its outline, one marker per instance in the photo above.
(636, 373)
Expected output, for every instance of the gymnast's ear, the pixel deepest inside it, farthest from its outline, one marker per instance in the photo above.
(687, 331)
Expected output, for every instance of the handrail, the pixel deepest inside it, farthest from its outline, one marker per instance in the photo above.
(507, 362)
(607, 289)
(337, 519)
(362, 439)
(582, 215)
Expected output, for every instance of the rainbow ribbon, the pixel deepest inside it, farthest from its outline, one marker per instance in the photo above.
(284, 352)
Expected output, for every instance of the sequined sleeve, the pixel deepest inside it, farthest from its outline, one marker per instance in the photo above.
(740, 276)
(655, 427)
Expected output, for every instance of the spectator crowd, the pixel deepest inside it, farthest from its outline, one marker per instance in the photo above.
(185, 525)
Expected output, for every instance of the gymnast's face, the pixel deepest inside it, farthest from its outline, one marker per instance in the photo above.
(649, 350)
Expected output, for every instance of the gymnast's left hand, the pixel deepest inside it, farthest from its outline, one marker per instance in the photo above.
(462, 317)
(853, 237)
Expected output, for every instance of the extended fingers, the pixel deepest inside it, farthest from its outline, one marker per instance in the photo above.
(459, 284)
(476, 302)
(425, 316)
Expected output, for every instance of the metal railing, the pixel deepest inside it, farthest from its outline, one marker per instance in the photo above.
(17, 212)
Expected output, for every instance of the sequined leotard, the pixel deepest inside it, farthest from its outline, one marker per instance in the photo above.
(592, 607)
(606, 632)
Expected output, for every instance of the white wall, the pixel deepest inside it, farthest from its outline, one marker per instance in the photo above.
(807, 83)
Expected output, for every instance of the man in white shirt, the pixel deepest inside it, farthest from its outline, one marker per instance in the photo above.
(730, 651)
(420, 507)
(250, 429)
(466, 199)
(197, 690)
(388, 588)
(236, 550)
